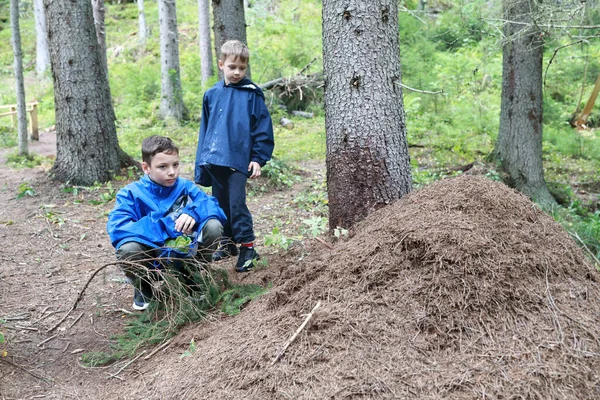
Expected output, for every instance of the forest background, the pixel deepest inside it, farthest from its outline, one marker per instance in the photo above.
(452, 49)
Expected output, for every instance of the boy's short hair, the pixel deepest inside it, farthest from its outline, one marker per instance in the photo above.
(236, 49)
(157, 144)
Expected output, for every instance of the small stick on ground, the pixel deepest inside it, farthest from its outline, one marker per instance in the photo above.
(159, 348)
(328, 245)
(46, 340)
(293, 337)
(76, 320)
(115, 375)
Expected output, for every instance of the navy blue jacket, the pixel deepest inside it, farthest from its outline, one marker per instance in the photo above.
(145, 212)
(236, 129)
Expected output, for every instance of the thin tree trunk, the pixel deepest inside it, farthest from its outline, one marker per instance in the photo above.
(20, 85)
(519, 144)
(142, 28)
(171, 105)
(206, 64)
(229, 20)
(98, 7)
(367, 157)
(87, 148)
(42, 55)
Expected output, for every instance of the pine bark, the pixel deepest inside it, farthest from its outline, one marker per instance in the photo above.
(171, 104)
(42, 55)
(23, 146)
(519, 145)
(206, 64)
(229, 20)
(87, 146)
(367, 158)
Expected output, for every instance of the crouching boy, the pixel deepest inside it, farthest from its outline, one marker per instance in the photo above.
(160, 206)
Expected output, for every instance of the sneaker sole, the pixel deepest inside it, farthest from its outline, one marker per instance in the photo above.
(140, 308)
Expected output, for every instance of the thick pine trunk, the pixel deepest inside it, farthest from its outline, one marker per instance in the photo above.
(142, 29)
(206, 64)
(519, 144)
(87, 145)
(368, 163)
(20, 84)
(171, 104)
(42, 55)
(229, 20)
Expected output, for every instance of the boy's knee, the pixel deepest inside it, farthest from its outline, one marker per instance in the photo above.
(131, 250)
(211, 232)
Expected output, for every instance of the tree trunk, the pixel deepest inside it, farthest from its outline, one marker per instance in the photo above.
(98, 7)
(42, 55)
(171, 104)
(20, 85)
(142, 29)
(206, 64)
(87, 148)
(519, 145)
(229, 24)
(367, 158)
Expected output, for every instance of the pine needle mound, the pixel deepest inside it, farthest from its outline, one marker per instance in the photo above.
(461, 290)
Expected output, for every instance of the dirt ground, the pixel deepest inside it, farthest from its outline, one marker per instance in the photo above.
(461, 290)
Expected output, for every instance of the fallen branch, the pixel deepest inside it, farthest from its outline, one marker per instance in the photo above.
(12, 364)
(159, 348)
(115, 375)
(293, 337)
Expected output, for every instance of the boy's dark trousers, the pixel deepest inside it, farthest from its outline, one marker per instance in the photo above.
(229, 188)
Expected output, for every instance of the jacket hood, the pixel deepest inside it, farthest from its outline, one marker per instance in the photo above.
(246, 84)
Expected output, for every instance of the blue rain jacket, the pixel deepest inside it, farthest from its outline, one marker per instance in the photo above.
(236, 128)
(145, 212)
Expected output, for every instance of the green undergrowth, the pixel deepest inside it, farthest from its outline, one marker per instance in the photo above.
(176, 305)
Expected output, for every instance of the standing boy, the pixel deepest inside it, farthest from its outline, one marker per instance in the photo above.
(235, 141)
(160, 206)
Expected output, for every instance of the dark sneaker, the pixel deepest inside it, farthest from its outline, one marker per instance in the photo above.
(246, 259)
(140, 302)
(224, 251)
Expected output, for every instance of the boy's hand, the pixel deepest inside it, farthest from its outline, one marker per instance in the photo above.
(254, 168)
(185, 224)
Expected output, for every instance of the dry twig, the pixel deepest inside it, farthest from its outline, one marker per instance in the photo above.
(293, 337)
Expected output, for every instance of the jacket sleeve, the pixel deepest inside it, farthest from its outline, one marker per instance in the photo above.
(200, 175)
(203, 207)
(261, 132)
(125, 223)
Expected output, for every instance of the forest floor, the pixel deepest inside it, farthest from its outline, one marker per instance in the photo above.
(463, 289)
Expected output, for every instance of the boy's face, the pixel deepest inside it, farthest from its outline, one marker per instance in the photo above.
(163, 169)
(234, 69)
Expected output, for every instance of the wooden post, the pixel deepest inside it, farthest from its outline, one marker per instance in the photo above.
(35, 134)
(13, 109)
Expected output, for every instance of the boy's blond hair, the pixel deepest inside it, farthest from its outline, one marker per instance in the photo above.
(236, 49)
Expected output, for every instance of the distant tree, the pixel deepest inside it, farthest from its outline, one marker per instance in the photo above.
(99, 11)
(519, 145)
(20, 85)
(206, 64)
(142, 28)
(367, 157)
(42, 55)
(229, 20)
(87, 148)
(171, 104)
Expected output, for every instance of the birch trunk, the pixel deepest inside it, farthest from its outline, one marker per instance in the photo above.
(42, 55)
(367, 157)
(20, 85)
(206, 64)
(142, 28)
(171, 105)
